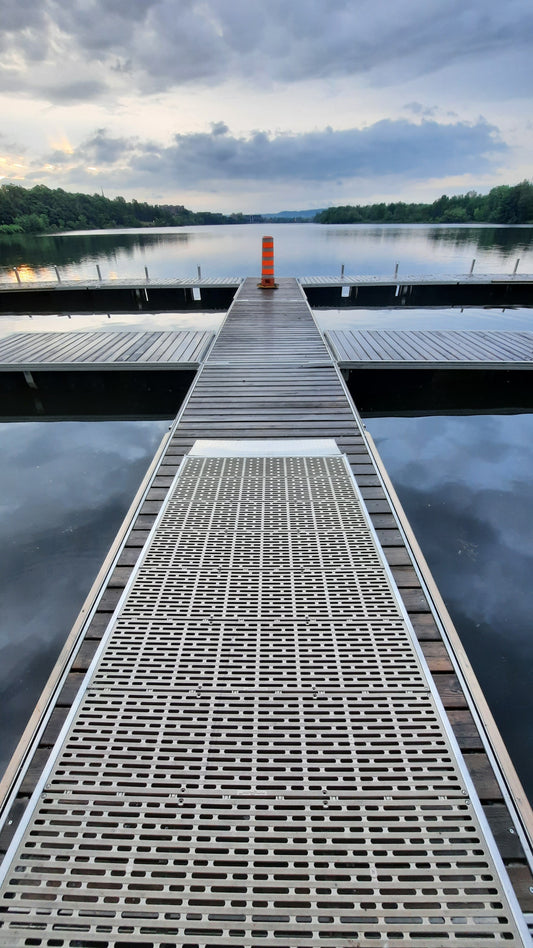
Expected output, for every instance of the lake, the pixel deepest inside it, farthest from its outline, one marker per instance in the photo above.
(465, 481)
(300, 250)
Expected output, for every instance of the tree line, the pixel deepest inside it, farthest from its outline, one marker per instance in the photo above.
(506, 204)
(40, 209)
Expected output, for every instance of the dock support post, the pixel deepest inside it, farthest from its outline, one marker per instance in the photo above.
(472, 265)
(99, 272)
(342, 271)
(146, 274)
(516, 266)
(17, 274)
(57, 275)
(199, 271)
(396, 270)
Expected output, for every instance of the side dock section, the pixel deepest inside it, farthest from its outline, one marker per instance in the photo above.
(248, 691)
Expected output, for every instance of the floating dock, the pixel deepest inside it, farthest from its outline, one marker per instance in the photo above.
(421, 289)
(97, 349)
(358, 290)
(263, 729)
(431, 348)
(128, 295)
(186, 349)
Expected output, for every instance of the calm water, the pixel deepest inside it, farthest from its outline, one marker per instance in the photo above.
(465, 481)
(301, 250)
(467, 488)
(65, 489)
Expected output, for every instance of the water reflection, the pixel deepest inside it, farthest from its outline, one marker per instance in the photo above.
(64, 322)
(301, 250)
(471, 317)
(506, 241)
(65, 488)
(46, 250)
(465, 484)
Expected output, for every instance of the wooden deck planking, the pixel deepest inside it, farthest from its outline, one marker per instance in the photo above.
(472, 348)
(16, 348)
(357, 279)
(125, 283)
(101, 348)
(53, 346)
(405, 279)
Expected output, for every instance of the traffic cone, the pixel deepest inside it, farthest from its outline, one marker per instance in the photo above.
(267, 268)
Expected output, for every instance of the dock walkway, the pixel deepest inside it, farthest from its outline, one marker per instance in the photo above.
(352, 348)
(100, 349)
(61, 294)
(427, 279)
(29, 285)
(250, 747)
(431, 348)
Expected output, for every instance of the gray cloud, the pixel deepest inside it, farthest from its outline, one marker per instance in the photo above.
(405, 149)
(169, 43)
(71, 92)
(423, 110)
(23, 17)
(102, 149)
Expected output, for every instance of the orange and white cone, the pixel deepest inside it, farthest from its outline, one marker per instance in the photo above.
(267, 268)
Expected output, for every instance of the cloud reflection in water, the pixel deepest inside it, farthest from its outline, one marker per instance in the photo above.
(466, 485)
(65, 488)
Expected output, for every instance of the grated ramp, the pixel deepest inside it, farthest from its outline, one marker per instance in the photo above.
(258, 758)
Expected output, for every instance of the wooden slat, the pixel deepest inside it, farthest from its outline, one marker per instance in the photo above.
(426, 347)
(56, 350)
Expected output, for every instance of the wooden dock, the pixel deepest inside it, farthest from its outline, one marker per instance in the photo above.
(431, 348)
(101, 349)
(252, 737)
(419, 289)
(352, 348)
(28, 285)
(406, 279)
(356, 290)
(127, 295)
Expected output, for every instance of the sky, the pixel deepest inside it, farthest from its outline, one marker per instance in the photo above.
(266, 105)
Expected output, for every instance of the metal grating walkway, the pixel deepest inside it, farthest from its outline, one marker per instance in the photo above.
(258, 757)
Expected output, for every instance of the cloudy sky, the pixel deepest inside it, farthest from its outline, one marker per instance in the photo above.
(262, 105)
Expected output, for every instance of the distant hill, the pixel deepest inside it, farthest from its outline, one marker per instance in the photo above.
(294, 215)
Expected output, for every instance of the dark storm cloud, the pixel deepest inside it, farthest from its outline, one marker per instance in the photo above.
(388, 147)
(169, 42)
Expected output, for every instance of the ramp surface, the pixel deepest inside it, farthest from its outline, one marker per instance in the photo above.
(258, 757)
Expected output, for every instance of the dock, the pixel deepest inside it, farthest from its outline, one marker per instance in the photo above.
(263, 729)
(23, 294)
(419, 289)
(432, 348)
(26, 293)
(186, 349)
(100, 350)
